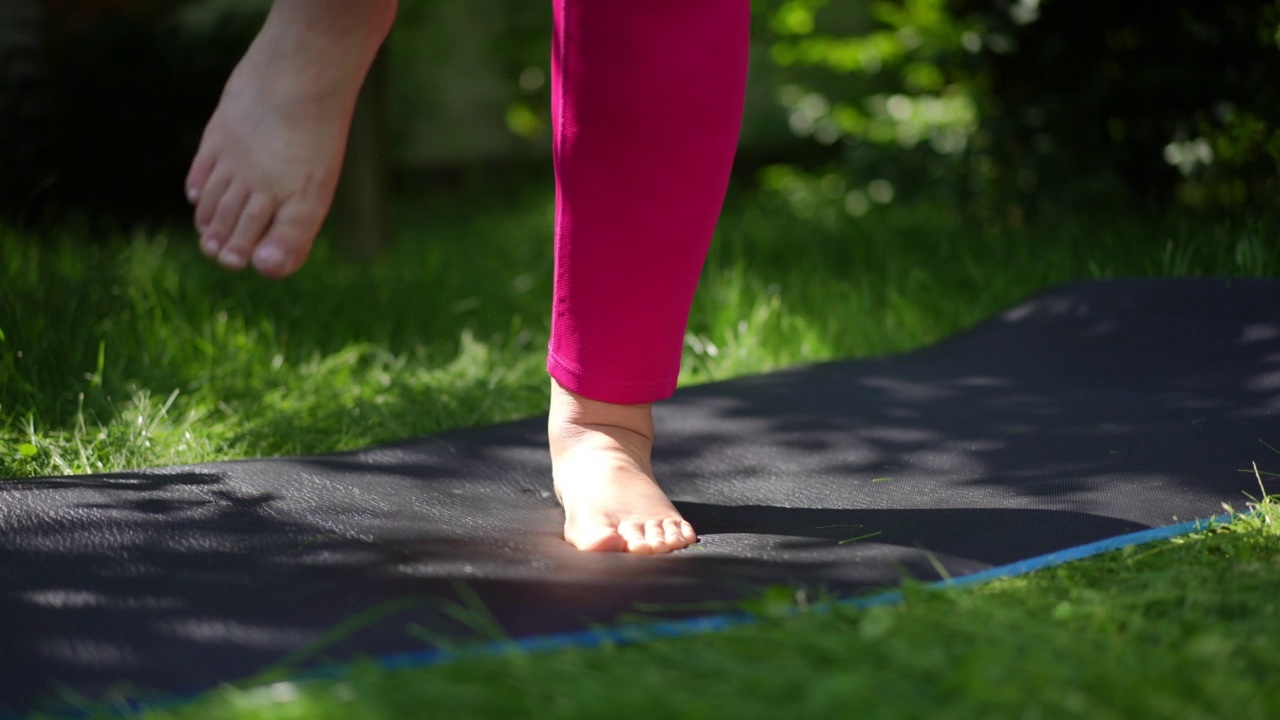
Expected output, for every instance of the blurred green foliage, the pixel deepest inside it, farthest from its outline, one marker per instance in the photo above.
(1009, 102)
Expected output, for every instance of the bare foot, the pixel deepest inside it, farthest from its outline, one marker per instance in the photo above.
(604, 479)
(268, 163)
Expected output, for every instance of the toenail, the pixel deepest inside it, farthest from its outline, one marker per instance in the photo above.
(193, 194)
(268, 258)
(231, 259)
(210, 245)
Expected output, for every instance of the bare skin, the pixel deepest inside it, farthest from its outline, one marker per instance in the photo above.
(264, 176)
(600, 456)
(262, 183)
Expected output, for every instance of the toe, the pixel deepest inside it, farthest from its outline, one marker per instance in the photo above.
(686, 532)
(210, 198)
(210, 245)
(198, 176)
(593, 534)
(276, 256)
(633, 532)
(216, 235)
(673, 533)
(272, 261)
(655, 536)
(288, 241)
(597, 539)
(255, 217)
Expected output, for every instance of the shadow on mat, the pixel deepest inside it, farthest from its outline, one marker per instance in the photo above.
(1135, 399)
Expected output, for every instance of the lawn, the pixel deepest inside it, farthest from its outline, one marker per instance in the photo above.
(129, 350)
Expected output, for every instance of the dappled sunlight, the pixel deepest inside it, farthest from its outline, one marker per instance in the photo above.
(1051, 401)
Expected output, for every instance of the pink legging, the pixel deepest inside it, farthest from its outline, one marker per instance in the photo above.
(646, 108)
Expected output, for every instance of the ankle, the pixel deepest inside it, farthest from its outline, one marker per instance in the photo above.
(350, 33)
(574, 419)
(313, 50)
(373, 17)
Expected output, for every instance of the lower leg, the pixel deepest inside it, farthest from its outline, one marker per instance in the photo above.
(264, 176)
(647, 103)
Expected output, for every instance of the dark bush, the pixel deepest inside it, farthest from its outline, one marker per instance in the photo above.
(1177, 99)
(126, 90)
(1021, 100)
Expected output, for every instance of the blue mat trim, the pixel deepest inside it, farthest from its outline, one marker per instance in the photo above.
(711, 623)
(1022, 567)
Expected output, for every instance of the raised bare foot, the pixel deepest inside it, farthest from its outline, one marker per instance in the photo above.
(604, 478)
(264, 176)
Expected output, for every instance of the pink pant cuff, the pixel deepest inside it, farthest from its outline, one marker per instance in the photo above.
(606, 390)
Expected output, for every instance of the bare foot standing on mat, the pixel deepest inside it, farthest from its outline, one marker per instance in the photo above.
(604, 479)
(264, 176)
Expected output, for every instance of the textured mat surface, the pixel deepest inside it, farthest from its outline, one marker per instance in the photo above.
(1090, 411)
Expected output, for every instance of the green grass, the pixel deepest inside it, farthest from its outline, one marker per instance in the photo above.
(122, 352)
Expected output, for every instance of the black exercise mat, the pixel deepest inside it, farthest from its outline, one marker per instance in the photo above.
(1093, 410)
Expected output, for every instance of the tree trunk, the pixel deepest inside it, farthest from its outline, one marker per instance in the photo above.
(362, 206)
